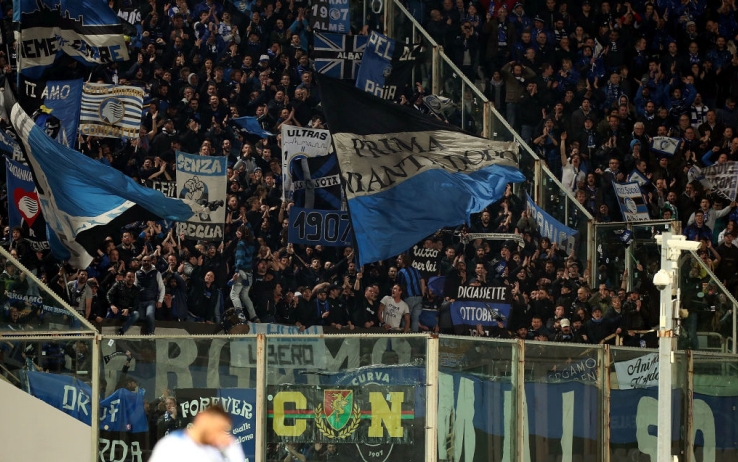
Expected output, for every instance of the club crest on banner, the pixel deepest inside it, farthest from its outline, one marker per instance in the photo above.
(112, 110)
(338, 416)
(27, 203)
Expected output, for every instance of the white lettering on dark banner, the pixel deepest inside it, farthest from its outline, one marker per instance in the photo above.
(426, 260)
(481, 293)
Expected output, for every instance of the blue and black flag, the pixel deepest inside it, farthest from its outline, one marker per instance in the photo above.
(317, 183)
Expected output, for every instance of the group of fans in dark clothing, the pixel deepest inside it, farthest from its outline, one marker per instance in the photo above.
(587, 85)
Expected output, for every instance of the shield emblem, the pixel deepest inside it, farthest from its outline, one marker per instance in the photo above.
(338, 405)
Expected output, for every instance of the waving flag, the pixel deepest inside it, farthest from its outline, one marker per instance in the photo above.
(317, 183)
(87, 30)
(386, 66)
(84, 200)
(252, 125)
(632, 204)
(111, 111)
(405, 175)
(665, 145)
(338, 55)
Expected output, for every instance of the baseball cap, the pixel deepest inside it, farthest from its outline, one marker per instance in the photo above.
(264, 58)
(565, 323)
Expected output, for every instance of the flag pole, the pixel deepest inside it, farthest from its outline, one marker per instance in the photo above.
(357, 258)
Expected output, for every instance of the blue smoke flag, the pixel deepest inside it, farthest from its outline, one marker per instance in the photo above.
(252, 125)
(87, 30)
(405, 175)
(84, 200)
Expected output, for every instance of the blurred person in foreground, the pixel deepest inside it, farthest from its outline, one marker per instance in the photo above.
(208, 439)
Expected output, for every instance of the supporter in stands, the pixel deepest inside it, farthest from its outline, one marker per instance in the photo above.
(588, 84)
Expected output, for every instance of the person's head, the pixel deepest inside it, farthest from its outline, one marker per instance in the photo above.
(146, 262)
(212, 427)
(397, 291)
(130, 278)
(209, 277)
(596, 312)
(536, 323)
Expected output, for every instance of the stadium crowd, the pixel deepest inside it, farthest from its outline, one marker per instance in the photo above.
(587, 85)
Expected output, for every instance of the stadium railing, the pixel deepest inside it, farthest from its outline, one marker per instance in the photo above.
(441, 396)
(480, 117)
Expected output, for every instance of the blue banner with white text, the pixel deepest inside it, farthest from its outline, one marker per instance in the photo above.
(123, 410)
(560, 234)
(319, 227)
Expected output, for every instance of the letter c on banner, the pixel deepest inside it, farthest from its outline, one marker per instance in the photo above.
(280, 428)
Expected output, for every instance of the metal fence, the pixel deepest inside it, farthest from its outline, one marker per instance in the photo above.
(414, 397)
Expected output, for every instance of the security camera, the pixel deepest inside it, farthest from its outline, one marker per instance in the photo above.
(661, 279)
(684, 245)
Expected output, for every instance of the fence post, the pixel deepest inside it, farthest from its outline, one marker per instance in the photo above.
(689, 409)
(604, 354)
(518, 388)
(436, 74)
(431, 399)
(95, 404)
(389, 26)
(261, 408)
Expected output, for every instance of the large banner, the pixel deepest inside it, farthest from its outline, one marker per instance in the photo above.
(240, 403)
(632, 204)
(111, 111)
(319, 227)
(283, 352)
(317, 183)
(123, 410)
(370, 414)
(722, 179)
(565, 237)
(477, 305)
(386, 66)
(331, 15)
(24, 208)
(89, 31)
(203, 180)
(337, 55)
(299, 144)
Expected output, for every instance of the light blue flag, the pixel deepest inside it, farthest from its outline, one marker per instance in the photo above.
(84, 200)
(251, 125)
(406, 174)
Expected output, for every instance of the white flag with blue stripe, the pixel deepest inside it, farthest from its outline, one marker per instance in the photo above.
(111, 111)
(406, 175)
(84, 200)
(665, 145)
